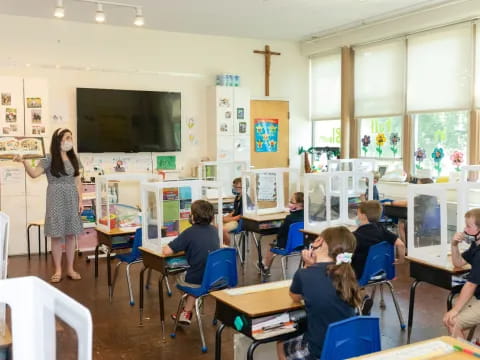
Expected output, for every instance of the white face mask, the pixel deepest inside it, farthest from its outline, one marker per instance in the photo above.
(66, 146)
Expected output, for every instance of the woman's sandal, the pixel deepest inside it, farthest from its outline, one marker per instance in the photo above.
(74, 276)
(56, 278)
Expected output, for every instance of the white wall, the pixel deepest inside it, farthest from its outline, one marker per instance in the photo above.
(129, 56)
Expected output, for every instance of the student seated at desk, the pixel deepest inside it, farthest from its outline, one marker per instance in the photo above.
(465, 313)
(371, 232)
(329, 288)
(230, 221)
(376, 195)
(197, 241)
(296, 215)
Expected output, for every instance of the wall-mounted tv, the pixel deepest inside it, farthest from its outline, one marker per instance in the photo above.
(128, 121)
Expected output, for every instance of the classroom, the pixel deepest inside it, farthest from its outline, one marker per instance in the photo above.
(199, 162)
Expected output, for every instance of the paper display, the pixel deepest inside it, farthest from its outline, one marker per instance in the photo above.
(28, 147)
(266, 187)
(11, 175)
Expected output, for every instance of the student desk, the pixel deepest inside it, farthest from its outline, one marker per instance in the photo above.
(311, 235)
(262, 225)
(106, 238)
(257, 301)
(227, 204)
(156, 261)
(391, 353)
(435, 273)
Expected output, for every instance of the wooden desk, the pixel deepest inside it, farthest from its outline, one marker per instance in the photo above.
(311, 235)
(156, 261)
(434, 273)
(447, 339)
(106, 238)
(251, 305)
(261, 225)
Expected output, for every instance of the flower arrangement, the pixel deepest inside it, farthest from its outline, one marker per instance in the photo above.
(457, 159)
(437, 156)
(394, 140)
(380, 140)
(420, 155)
(365, 142)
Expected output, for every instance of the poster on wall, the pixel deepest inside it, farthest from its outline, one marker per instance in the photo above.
(267, 187)
(28, 147)
(36, 107)
(11, 106)
(266, 135)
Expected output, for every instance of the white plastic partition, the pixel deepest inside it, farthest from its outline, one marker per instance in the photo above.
(4, 236)
(267, 191)
(167, 205)
(331, 198)
(109, 196)
(222, 171)
(34, 304)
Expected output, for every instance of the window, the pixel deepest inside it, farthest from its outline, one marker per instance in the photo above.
(326, 141)
(442, 132)
(325, 86)
(389, 145)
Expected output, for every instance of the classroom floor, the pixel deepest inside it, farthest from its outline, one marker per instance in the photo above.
(118, 336)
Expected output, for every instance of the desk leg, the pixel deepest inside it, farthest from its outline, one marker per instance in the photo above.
(410, 309)
(244, 239)
(28, 240)
(39, 243)
(140, 306)
(218, 341)
(109, 275)
(46, 252)
(251, 349)
(162, 306)
(450, 297)
(259, 249)
(96, 260)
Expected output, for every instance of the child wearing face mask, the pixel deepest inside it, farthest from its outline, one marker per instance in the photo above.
(230, 221)
(296, 215)
(465, 314)
(197, 241)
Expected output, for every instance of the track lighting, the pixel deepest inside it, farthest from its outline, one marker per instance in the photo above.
(139, 19)
(59, 10)
(99, 14)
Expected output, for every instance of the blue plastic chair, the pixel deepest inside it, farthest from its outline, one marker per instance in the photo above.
(356, 336)
(220, 273)
(380, 269)
(294, 242)
(130, 258)
(242, 238)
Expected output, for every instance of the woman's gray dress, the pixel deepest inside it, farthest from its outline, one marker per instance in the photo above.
(61, 216)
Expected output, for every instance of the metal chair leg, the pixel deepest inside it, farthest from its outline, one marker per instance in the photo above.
(149, 275)
(169, 291)
(382, 300)
(179, 309)
(397, 307)
(129, 282)
(284, 271)
(199, 319)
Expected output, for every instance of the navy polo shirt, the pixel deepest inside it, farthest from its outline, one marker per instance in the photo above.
(322, 304)
(472, 256)
(197, 241)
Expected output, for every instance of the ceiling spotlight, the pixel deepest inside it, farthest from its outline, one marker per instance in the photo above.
(99, 14)
(59, 10)
(139, 19)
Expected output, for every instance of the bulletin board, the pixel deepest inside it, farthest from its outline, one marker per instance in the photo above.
(177, 203)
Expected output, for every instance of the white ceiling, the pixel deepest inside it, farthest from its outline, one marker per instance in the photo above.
(265, 19)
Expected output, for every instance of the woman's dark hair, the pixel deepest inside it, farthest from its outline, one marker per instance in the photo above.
(340, 240)
(57, 168)
(202, 212)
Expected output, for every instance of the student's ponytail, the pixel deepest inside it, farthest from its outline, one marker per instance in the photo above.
(341, 245)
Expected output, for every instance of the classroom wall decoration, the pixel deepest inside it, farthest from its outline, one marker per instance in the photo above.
(267, 187)
(266, 135)
(177, 202)
(11, 106)
(166, 162)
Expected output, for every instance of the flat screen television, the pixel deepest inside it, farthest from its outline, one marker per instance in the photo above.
(128, 121)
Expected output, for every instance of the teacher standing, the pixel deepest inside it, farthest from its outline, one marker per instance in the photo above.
(64, 203)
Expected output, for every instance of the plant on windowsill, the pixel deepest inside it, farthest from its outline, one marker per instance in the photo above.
(306, 152)
(457, 159)
(365, 143)
(394, 140)
(420, 155)
(380, 140)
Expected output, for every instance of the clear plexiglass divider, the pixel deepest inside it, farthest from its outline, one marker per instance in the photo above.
(222, 171)
(166, 209)
(331, 198)
(267, 191)
(118, 200)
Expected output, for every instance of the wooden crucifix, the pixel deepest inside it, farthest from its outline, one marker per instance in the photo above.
(267, 53)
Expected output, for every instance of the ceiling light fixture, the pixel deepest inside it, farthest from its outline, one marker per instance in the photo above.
(99, 14)
(139, 19)
(59, 10)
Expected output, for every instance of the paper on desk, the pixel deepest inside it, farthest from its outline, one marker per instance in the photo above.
(260, 287)
(417, 352)
(260, 323)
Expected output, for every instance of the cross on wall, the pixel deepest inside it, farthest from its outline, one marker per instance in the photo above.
(268, 54)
